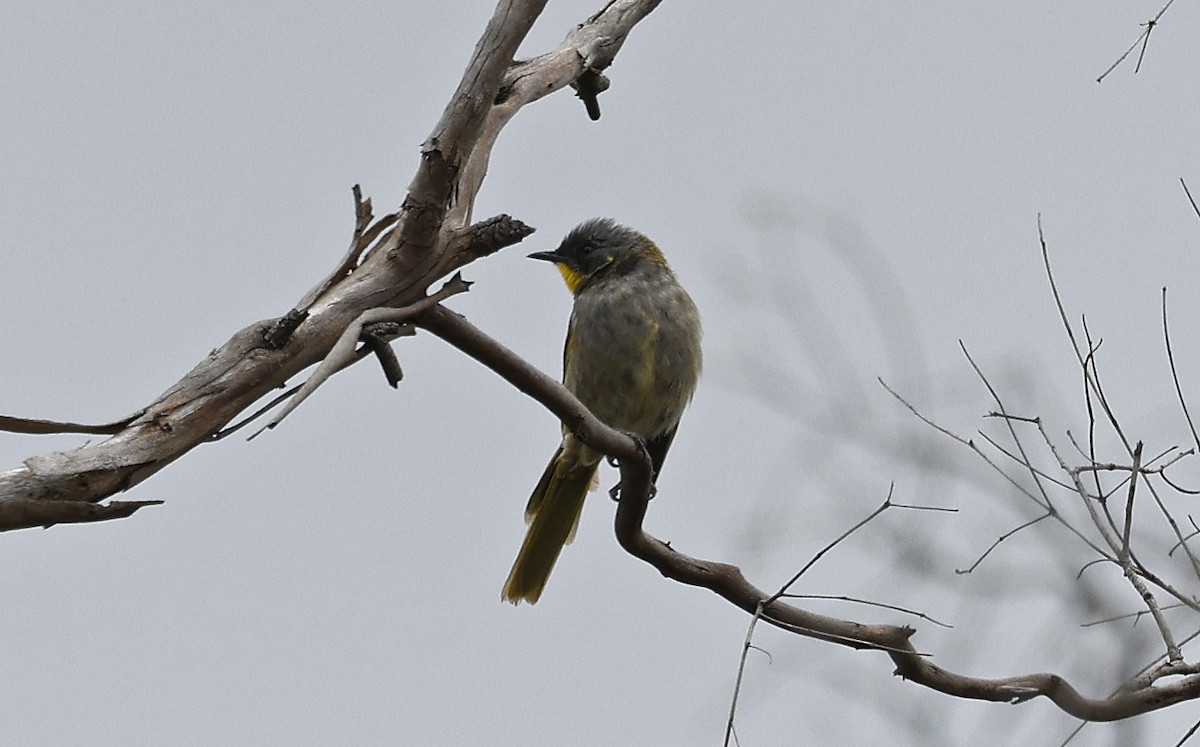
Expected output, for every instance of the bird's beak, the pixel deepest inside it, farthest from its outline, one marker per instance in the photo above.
(548, 256)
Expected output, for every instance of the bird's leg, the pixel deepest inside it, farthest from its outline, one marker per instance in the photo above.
(615, 491)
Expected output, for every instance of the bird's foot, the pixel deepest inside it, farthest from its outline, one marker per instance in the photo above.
(615, 491)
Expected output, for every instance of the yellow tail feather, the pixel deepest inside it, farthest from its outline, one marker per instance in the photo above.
(552, 513)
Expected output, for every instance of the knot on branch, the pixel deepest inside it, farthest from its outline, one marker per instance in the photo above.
(277, 335)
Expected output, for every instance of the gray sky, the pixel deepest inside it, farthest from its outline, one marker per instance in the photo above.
(174, 172)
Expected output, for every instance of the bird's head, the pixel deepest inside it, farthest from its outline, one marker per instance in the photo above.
(599, 248)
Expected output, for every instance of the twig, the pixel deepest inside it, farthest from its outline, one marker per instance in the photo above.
(1143, 39)
(1092, 378)
(741, 670)
(1145, 43)
(230, 430)
(1025, 460)
(1135, 615)
(1188, 735)
(868, 602)
(1195, 531)
(997, 541)
(887, 503)
(912, 507)
(377, 338)
(1188, 192)
(1133, 476)
(1176, 486)
(1016, 459)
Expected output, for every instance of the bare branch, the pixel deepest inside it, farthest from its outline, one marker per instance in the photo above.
(391, 263)
(727, 580)
(1143, 39)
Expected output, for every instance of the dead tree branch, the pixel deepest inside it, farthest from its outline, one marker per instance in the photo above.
(391, 264)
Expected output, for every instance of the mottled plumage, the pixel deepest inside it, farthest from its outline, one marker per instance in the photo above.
(632, 356)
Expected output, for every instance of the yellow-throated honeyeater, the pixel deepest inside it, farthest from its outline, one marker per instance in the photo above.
(632, 356)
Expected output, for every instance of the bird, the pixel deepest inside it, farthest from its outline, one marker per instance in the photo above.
(632, 356)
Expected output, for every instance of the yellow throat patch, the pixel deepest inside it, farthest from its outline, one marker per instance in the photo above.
(574, 279)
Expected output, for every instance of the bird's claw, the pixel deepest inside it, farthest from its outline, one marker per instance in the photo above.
(615, 492)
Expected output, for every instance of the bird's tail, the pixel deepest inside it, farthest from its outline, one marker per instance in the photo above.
(552, 513)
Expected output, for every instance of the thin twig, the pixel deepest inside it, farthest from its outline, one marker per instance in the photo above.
(1189, 734)
(1188, 192)
(1133, 475)
(868, 602)
(1195, 531)
(1137, 615)
(230, 430)
(996, 543)
(1143, 39)
(887, 503)
(1012, 431)
(737, 684)
(1145, 43)
(912, 507)
(1176, 486)
(996, 445)
(1092, 375)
